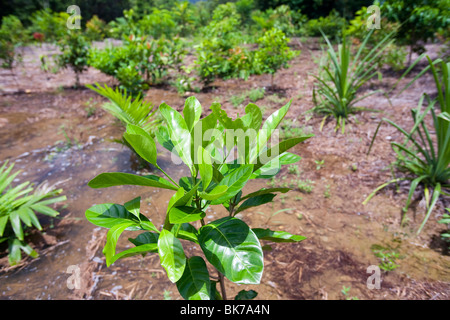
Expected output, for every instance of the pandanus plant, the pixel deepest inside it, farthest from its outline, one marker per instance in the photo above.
(425, 153)
(222, 156)
(338, 86)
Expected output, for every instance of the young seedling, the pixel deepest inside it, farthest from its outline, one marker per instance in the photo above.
(228, 244)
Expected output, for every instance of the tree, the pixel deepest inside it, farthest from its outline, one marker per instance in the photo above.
(419, 20)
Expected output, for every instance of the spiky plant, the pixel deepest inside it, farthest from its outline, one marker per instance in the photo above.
(336, 91)
(18, 205)
(425, 153)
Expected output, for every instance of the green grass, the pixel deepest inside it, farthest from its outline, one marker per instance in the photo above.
(306, 186)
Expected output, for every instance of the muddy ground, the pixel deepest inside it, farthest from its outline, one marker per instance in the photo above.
(61, 135)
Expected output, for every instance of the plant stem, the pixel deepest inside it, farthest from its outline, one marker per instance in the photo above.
(222, 285)
(170, 178)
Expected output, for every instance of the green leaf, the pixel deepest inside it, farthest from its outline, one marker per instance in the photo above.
(246, 295)
(171, 255)
(133, 206)
(194, 284)
(215, 193)
(268, 128)
(179, 133)
(184, 214)
(142, 142)
(255, 201)
(186, 231)
(108, 215)
(277, 236)
(235, 181)
(289, 158)
(278, 150)
(142, 249)
(253, 117)
(44, 210)
(264, 191)
(145, 238)
(16, 224)
(192, 112)
(111, 240)
(205, 167)
(232, 247)
(3, 221)
(162, 135)
(111, 179)
(14, 255)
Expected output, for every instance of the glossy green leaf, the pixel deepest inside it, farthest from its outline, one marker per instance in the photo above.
(264, 191)
(142, 142)
(268, 128)
(278, 150)
(111, 240)
(235, 181)
(186, 231)
(289, 158)
(142, 250)
(277, 236)
(184, 214)
(179, 133)
(133, 206)
(192, 112)
(246, 295)
(207, 134)
(108, 215)
(215, 193)
(145, 238)
(194, 283)
(162, 135)
(171, 255)
(232, 247)
(111, 179)
(255, 201)
(205, 167)
(253, 117)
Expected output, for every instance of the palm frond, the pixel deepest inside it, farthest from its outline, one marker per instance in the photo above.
(128, 109)
(18, 205)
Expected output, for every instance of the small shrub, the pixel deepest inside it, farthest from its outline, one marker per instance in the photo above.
(51, 25)
(273, 52)
(139, 62)
(230, 246)
(256, 94)
(95, 29)
(74, 53)
(12, 36)
(332, 25)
